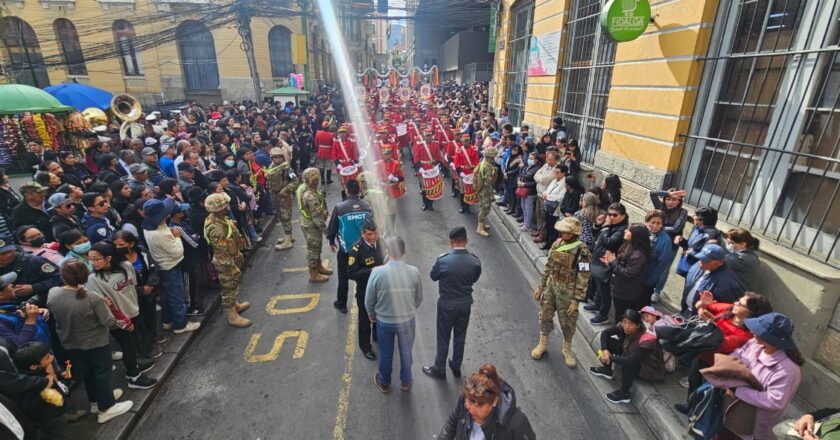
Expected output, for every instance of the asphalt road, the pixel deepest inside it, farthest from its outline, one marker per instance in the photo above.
(315, 388)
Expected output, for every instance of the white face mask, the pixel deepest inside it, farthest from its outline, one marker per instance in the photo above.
(730, 247)
(531, 162)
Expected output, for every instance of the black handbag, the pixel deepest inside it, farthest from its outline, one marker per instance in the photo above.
(549, 206)
(689, 338)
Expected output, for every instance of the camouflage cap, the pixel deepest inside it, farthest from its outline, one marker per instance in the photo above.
(276, 152)
(310, 174)
(570, 225)
(489, 152)
(216, 202)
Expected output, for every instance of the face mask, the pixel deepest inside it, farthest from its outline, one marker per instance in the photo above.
(531, 162)
(730, 247)
(37, 241)
(82, 248)
(229, 163)
(122, 251)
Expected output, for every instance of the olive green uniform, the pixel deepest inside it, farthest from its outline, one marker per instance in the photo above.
(223, 235)
(564, 282)
(281, 188)
(313, 222)
(485, 175)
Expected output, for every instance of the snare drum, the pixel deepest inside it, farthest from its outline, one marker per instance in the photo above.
(348, 173)
(432, 183)
(468, 189)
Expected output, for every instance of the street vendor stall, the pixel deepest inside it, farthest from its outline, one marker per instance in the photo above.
(28, 114)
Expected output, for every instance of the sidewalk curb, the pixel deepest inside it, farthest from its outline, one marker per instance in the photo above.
(121, 427)
(661, 419)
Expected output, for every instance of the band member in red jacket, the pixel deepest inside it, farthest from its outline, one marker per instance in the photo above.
(345, 154)
(465, 160)
(324, 156)
(427, 159)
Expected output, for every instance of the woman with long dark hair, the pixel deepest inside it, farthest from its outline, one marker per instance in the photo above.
(629, 267)
(612, 186)
(571, 200)
(114, 279)
(610, 229)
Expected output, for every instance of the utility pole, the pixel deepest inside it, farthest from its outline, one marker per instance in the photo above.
(304, 6)
(248, 47)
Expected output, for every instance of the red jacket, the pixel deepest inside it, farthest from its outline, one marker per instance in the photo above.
(733, 336)
(324, 141)
(421, 154)
(466, 158)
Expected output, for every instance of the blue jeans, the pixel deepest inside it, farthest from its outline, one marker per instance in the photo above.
(174, 307)
(528, 211)
(404, 333)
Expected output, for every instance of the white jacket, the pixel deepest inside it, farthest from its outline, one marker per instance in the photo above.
(555, 192)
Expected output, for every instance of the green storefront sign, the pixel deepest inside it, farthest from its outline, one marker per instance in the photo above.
(625, 20)
(491, 44)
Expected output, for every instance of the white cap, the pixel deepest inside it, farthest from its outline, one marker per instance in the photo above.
(151, 117)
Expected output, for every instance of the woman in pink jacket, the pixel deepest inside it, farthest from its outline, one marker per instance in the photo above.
(772, 357)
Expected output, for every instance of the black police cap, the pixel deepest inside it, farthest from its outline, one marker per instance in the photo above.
(458, 233)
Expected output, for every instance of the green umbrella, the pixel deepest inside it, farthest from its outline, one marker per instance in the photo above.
(19, 98)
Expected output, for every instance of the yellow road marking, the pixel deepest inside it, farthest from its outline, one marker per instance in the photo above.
(324, 262)
(346, 378)
(301, 335)
(271, 307)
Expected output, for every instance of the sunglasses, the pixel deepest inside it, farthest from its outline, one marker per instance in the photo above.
(102, 203)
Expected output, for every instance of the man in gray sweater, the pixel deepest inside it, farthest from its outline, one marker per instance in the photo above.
(394, 292)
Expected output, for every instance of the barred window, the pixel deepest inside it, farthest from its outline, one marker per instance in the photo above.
(198, 56)
(764, 146)
(24, 52)
(522, 23)
(280, 49)
(126, 40)
(587, 71)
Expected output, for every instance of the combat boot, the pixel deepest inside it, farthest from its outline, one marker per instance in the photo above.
(323, 270)
(541, 348)
(481, 231)
(284, 245)
(568, 356)
(315, 277)
(242, 306)
(235, 320)
(289, 236)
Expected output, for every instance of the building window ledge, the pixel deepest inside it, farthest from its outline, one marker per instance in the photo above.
(69, 4)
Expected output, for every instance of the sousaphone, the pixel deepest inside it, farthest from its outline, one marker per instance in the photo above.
(127, 109)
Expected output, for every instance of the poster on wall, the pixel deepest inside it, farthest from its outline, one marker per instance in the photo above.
(543, 53)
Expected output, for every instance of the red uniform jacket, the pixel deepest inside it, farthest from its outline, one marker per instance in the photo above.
(392, 167)
(347, 155)
(324, 141)
(466, 158)
(421, 155)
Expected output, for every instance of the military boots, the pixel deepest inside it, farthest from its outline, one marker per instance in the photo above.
(568, 356)
(541, 348)
(235, 320)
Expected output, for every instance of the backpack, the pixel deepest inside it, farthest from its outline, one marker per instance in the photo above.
(686, 339)
(705, 417)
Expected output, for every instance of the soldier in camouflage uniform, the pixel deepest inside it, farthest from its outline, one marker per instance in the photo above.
(223, 235)
(313, 223)
(281, 184)
(562, 287)
(484, 176)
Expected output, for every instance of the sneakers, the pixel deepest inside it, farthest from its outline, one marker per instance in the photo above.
(190, 327)
(618, 396)
(406, 386)
(160, 339)
(656, 297)
(116, 356)
(601, 371)
(197, 310)
(166, 326)
(154, 353)
(384, 389)
(591, 307)
(684, 381)
(599, 320)
(114, 411)
(141, 382)
(144, 366)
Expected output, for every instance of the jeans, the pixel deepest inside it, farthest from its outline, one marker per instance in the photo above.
(528, 211)
(604, 289)
(343, 282)
(94, 367)
(451, 322)
(174, 308)
(664, 277)
(404, 332)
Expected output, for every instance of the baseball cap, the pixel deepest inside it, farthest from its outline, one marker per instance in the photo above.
(7, 279)
(165, 147)
(711, 252)
(136, 168)
(59, 199)
(148, 151)
(32, 186)
(150, 141)
(167, 140)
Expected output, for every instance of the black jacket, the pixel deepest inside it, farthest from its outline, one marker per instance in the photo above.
(108, 175)
(571, 202)
(609, 239)
(456, 271)
(506, 422)
(61, 224)
(629, 278)
(24, 214)
(360, 262)
(527, 178)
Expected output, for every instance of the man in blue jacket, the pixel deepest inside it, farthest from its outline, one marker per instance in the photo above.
(710, 273)
(94, 223)
(346, 222)
(456, 271)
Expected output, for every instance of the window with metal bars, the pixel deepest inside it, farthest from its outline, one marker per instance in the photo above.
(522, 23)
(198, 56)
(764, 145)
(587, 71)
(71, 48)
(24, 53)
(280, 51)
(126, 40)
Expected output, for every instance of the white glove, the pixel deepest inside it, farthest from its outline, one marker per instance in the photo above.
(393, 178)
(452, 165)
(339, 167)
(292, 175)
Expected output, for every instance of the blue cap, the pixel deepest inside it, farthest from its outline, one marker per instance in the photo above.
(6, 243)
(711, 252)
(773, 328)
(184, 206)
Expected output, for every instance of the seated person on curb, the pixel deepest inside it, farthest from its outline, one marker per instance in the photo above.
(710, 273)
(823, 424)
(35, 361)
(632, 348)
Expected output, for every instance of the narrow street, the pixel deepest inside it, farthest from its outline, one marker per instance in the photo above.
(232, 384)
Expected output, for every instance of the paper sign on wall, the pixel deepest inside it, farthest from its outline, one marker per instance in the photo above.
(543, 53)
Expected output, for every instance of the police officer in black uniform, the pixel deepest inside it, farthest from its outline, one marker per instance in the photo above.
(35, 275)
(366, 254)
(456, 271)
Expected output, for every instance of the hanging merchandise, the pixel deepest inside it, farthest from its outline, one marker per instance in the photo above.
(436, 77)
(413, 78)
(78, 127)
(299, 81)
(55, 131)
(394, 80)
(292, 80)
(41, 129)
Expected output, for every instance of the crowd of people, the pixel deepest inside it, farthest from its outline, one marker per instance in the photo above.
(109, 248)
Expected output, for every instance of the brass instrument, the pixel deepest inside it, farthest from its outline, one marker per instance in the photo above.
(95, 116)
(127, 108)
